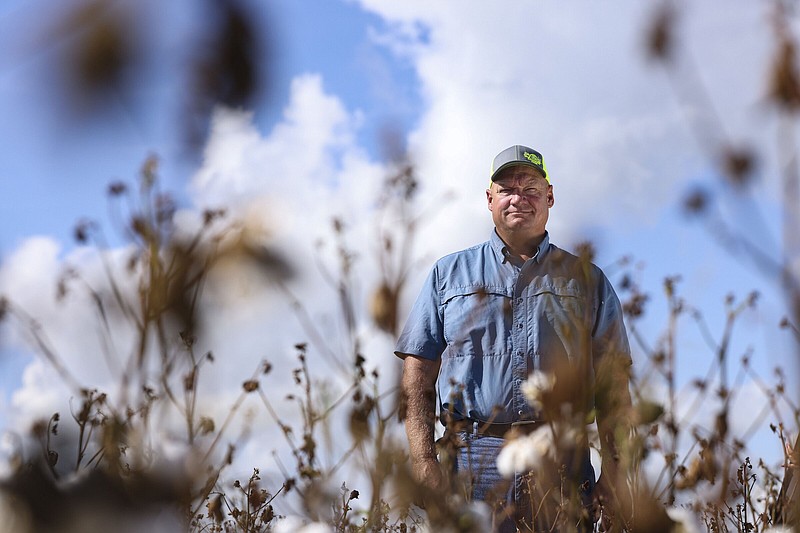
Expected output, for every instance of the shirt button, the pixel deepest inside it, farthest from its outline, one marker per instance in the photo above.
(519, 300)
(519, 326)
(519, 412)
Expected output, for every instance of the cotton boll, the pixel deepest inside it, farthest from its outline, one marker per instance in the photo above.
(536, 387)
(526, 452)
(537, 450)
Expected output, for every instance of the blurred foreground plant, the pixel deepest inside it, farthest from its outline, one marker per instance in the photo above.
(147, 310)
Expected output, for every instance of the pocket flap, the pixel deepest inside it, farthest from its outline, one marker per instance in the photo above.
(453, 292)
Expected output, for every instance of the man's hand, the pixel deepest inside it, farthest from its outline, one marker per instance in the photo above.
(428, 473)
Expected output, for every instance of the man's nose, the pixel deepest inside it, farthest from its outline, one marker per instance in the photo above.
(518, 197)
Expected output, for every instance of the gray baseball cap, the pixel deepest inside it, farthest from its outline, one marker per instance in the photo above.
(519, 155)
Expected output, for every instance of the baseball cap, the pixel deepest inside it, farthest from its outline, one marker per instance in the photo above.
(519, 155)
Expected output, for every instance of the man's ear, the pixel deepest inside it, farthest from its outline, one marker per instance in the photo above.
(550, 198)
(489, 199)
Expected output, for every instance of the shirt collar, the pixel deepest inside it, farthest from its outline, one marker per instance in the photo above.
(502, 252)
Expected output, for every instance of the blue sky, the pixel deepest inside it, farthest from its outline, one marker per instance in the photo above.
(460, 85)
(56, 167)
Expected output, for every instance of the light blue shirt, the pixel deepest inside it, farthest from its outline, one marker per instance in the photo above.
(493, 319)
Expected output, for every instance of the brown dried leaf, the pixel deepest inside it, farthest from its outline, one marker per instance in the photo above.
(383, 308)
(784, 81)
(739, 165)
(102, 47)
(661, 34)
(228, 69)
(215, 509)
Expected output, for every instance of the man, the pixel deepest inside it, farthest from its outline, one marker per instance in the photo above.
(486, 319)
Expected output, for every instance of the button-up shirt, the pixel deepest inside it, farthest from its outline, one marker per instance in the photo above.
(493, 319)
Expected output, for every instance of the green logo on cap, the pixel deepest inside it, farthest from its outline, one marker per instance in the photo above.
(533, 158)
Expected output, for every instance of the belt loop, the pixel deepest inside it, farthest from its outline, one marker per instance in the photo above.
(475, 425)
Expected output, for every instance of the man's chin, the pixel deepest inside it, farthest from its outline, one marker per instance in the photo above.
(519, 222)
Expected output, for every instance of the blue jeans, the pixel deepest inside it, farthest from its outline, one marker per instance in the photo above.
(514, 500)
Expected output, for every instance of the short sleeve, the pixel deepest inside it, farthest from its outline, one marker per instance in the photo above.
(423, 334)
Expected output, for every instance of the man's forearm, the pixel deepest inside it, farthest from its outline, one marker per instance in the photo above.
(419, 393)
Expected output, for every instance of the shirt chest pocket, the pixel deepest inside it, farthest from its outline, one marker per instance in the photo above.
(559, 314)
(477, 321)
(560, 302)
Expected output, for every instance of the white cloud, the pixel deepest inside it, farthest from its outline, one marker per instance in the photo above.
(572, 81)
(301, 155)
(28, 276)
(67, 325)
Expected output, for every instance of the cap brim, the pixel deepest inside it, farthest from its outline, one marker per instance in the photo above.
(515, 163)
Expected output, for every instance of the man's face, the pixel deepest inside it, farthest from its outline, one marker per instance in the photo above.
(520, 199)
